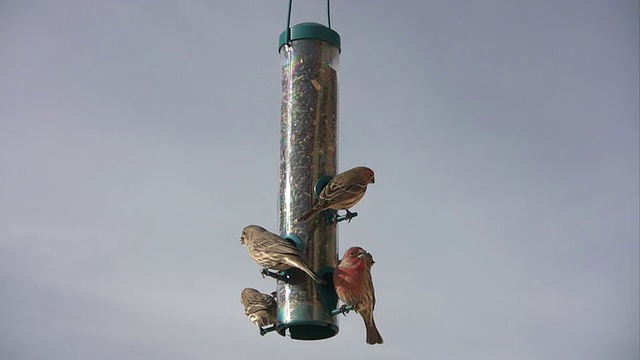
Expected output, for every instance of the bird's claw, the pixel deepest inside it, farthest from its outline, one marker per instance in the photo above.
(344, 310)
(348, 216)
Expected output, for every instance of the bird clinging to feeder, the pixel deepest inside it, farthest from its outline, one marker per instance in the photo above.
(260, 308)
(273, 252)
(354, 287)
(342, 192)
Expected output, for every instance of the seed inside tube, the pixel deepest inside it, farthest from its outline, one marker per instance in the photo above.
(308, 126)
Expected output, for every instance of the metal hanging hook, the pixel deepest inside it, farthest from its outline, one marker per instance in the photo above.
(288, 38)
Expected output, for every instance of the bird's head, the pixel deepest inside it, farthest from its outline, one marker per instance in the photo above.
(354, 255)
(247, 233)
(246, 294)
(368, 174)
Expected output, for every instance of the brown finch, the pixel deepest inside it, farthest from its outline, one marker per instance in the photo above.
(342, 192)
(273, 252)
(261, 309)
(352, 280)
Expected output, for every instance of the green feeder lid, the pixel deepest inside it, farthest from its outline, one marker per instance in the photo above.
(311, 30)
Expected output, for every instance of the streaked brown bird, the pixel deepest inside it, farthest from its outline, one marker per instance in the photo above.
(273, 252)
(260, 308)
(342, 192)
(352, 280)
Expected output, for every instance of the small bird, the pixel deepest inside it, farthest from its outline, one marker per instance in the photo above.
(352, 280)
(273, 252)
(342, 192)
(261, 309)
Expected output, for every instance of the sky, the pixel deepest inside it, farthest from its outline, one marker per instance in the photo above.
(138, 138)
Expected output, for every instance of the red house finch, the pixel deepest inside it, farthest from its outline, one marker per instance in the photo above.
(342, 192)
(260, 308)
(273, 252)
(354, 287)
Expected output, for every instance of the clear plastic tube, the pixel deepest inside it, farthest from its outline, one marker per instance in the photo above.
(308, 151)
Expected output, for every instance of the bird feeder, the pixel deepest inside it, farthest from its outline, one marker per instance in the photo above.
(308, 151)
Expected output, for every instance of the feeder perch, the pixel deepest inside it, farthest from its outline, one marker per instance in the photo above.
(344, 310)
(264, 331)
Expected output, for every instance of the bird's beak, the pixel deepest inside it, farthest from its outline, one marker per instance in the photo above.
(241, 239)
(362, 253)
(373, 180)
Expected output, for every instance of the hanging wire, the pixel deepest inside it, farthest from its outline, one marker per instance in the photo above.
(288, 39)
(328, 14)
(288, 36)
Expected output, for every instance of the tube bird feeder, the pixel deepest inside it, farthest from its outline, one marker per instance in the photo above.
(308, 152)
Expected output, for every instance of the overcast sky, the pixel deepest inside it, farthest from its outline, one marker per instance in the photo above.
(138, 138)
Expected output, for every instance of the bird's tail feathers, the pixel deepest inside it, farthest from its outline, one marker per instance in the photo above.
(311, 213)
(304, 267)
(373, 335)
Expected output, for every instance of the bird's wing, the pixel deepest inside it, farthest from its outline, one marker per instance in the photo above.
(275, 244)
(259, 302)
(336, 193)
